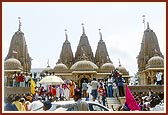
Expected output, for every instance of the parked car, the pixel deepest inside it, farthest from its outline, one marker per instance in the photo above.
(60, 106)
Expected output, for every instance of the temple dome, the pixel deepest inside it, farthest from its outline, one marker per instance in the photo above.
(84, 65)
(122, 70)
(60, 68)
(12, 64)
(155, 62)
(107, 67)
(48, 69)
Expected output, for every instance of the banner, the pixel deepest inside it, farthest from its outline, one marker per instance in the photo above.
(130, 100)
(32, 86)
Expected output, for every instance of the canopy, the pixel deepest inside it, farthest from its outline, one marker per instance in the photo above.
(51, 80)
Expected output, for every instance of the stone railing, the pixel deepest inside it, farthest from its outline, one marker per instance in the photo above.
(15, 90)
(145, 88)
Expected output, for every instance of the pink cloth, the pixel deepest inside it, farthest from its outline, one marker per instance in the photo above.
(64, 86)
(130, 100)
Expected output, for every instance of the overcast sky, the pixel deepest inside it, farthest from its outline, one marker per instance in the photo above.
(43, 25)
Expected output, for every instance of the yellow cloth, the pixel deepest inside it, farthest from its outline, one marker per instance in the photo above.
(32, 86)
(18, 105)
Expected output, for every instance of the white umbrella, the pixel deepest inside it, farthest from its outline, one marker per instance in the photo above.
(51, 80)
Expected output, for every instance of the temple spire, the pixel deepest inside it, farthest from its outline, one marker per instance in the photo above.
(83, 28)
(66, 34)
(19, 24)
(100, 34)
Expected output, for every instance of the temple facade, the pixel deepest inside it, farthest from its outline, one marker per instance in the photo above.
(150, 59)
(84, 65)
(18, 59)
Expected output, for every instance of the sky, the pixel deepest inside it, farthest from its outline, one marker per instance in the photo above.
(121, 25)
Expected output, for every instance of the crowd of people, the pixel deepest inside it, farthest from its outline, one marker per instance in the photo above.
(147, 101)
(20, 79)
(95, 90)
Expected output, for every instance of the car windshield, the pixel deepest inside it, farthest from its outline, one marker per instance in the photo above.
(96, 107)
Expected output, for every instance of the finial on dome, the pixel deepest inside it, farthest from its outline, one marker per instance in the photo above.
(48, 63)
(66, 34)
(119, 62)
(148, 25)
(100, 34)
(83, 28)
(19, 24)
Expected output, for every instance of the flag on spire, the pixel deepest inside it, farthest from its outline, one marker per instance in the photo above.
(155, 51)
(143, 20)
(130, 100)
(66, 34)
(83, 28)
(19, 23)
(100, 34)
(14, 52)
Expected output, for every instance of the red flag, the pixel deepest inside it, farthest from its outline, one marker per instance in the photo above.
(15, 52)
(130, 100)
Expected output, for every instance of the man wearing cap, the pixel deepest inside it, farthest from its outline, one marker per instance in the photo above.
(36, 105)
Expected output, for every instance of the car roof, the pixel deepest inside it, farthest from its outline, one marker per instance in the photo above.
(62, 102)
(72, 102)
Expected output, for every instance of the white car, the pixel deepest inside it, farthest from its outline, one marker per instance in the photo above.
(93, 106)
